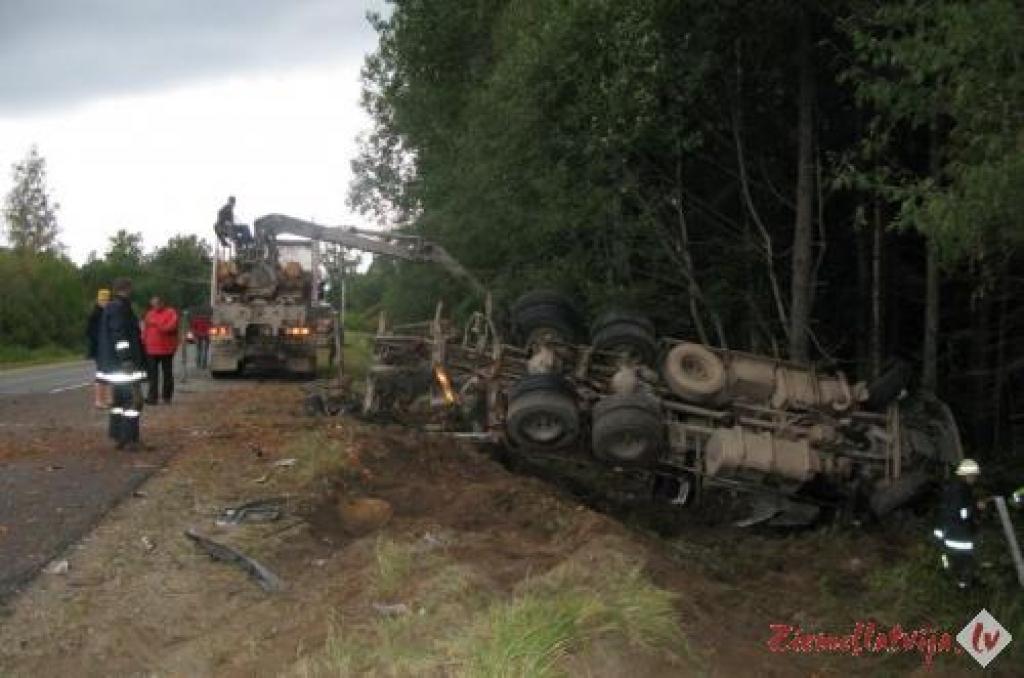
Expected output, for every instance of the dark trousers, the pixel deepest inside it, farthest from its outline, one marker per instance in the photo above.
(125, 412)
(202, 352)
(154, 365)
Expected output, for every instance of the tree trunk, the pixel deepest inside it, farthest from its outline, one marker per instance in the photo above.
(876, 291)
(802, 284)
(980, 338)
(1000, 365)
(930, 357)
(930, 350)
(864, 283)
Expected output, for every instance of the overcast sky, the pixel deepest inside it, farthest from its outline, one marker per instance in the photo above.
(151, 112)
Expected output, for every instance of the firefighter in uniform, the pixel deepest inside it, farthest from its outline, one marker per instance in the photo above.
(119, 363)
(956, 523)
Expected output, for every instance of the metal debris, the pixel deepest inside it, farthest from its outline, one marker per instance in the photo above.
(391, 610)
(58, 567)
(267, 580)
(257, 511)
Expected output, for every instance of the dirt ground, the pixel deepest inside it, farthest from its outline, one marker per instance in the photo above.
(477, 568)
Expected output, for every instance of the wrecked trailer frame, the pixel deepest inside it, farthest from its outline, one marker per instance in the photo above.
(693, 420)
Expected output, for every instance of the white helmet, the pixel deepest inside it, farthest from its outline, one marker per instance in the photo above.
(968, 467)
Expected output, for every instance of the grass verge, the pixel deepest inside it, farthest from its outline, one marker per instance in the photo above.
(455, 623)
(19, 356)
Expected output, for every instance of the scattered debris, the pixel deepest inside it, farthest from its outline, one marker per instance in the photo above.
(267, 580)
(286, 463)
(54, 467)
(148, 543)
(256, 450)
(256, 511)
(431, 541)
(360, 517)
(58, 567)
(262, 479)
(139, 494)
(391, 610)
(318, 562)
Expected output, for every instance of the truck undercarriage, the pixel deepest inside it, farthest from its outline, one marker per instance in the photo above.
(667, 419)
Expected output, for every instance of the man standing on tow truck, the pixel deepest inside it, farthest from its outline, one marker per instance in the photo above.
(956, 523)
(227, 230)
(119, 362)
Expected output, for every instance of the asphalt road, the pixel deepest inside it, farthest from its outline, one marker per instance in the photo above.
(47, 378)
(60, 377)
(58, 472)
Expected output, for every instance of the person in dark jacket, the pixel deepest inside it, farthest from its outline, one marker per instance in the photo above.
(227, 230)
(956, 523)
(119, 363)
(101, 391)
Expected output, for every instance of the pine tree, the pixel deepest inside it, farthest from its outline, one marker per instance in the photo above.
(30, 215)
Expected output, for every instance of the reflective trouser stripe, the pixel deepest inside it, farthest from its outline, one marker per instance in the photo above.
(120, 377)
(958, 545)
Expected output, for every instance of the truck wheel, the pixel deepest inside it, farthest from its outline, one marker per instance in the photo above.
(904, 491)
(627, 429)
(542, 413)
(545, 315)
(694, 373)
(625, 333)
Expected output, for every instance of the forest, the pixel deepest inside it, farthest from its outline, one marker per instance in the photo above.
(47, 296)
(837, 181)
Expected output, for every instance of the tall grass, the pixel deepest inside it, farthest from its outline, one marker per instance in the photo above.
(457, 624)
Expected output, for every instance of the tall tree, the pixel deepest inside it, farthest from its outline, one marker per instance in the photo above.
(125, 250)
(30, 214)
(944, 82)
(802, 282)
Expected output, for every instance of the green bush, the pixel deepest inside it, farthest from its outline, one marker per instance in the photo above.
(43, 303)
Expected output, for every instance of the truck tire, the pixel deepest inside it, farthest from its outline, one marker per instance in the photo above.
(627, 429)
(909, 487)
(694, 373)
(625, 333)
(542, 413)
(545, 314)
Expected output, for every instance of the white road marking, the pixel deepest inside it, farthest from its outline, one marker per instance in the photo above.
(69, 388)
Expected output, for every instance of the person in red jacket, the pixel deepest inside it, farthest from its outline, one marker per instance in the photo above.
(160, 338)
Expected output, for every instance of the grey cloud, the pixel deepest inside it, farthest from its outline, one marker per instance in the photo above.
(60, 52)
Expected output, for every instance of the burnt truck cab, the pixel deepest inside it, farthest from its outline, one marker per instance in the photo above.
(268, 311)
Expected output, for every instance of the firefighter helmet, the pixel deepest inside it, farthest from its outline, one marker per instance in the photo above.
(968, 467)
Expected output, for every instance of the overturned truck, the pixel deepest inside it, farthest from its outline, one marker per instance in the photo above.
(671, 419)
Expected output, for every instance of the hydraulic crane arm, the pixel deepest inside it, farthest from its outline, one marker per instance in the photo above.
(405, 247)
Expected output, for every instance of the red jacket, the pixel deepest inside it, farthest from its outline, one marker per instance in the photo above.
(200, 326)
(160, 331)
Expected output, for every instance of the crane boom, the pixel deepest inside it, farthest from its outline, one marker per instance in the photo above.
(405, 247)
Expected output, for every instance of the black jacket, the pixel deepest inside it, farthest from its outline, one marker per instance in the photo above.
(92, 330)
(226, 215)
(118, 323)
(956, 514)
